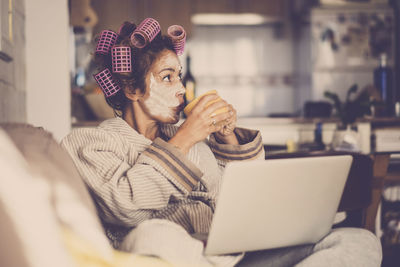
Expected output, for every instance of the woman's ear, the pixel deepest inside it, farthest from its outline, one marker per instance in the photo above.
(133, 95)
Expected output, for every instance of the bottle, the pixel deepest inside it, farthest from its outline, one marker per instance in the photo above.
(189, 82)
(383, 77)
(319, 144)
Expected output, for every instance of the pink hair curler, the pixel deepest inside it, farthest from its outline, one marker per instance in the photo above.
(106, 82)
(178, 37)
(106, 41)
(145, 32)
(121, 59)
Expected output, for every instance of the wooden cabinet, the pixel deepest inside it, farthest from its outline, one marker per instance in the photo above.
(111, 14)
(264, 7)
(169, 12)
(166, 12)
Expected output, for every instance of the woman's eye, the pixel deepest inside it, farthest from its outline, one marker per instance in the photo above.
(167, 78)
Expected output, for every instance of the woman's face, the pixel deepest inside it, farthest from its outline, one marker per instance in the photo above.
(163, 100)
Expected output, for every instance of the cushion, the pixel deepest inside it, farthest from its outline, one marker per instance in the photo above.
(85, 255)
(46, 156)
(71, 201)
(29, 230)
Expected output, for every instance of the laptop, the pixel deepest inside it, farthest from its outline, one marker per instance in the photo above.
(276, 203)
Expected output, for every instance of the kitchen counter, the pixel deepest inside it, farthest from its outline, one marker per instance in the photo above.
(279, 131)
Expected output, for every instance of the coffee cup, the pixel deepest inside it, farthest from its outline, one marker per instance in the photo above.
(189, 107)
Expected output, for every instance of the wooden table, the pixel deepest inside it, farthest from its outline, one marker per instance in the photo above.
(380, 170)
(381, 173)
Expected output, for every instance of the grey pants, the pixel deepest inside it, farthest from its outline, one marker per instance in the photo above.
(343, 247)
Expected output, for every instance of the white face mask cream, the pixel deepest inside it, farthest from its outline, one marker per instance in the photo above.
(163, 98)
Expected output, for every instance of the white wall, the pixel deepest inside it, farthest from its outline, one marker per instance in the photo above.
(250, 66)
(47, 80)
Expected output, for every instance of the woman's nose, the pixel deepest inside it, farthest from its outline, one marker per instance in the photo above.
(181, 91)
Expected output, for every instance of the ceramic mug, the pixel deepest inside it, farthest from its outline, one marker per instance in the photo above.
(188, 109)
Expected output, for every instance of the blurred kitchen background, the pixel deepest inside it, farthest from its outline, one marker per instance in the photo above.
(266, 57)
(274, 60)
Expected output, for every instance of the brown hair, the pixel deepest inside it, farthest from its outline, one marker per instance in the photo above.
(142, 59)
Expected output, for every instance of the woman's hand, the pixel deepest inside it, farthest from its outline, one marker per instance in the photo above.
(202, 121)
(229, 124)
(226, 134)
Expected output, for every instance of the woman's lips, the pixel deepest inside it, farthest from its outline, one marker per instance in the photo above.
(179, 108)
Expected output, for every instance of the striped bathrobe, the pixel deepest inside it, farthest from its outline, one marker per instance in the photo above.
(133, 179)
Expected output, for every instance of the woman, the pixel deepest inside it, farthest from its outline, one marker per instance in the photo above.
(140, 165)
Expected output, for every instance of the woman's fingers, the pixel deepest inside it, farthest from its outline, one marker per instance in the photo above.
(202, 104)
(229, 123)
(222, 118)
(217, 116)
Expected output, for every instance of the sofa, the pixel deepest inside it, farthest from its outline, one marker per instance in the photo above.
(47, 215)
